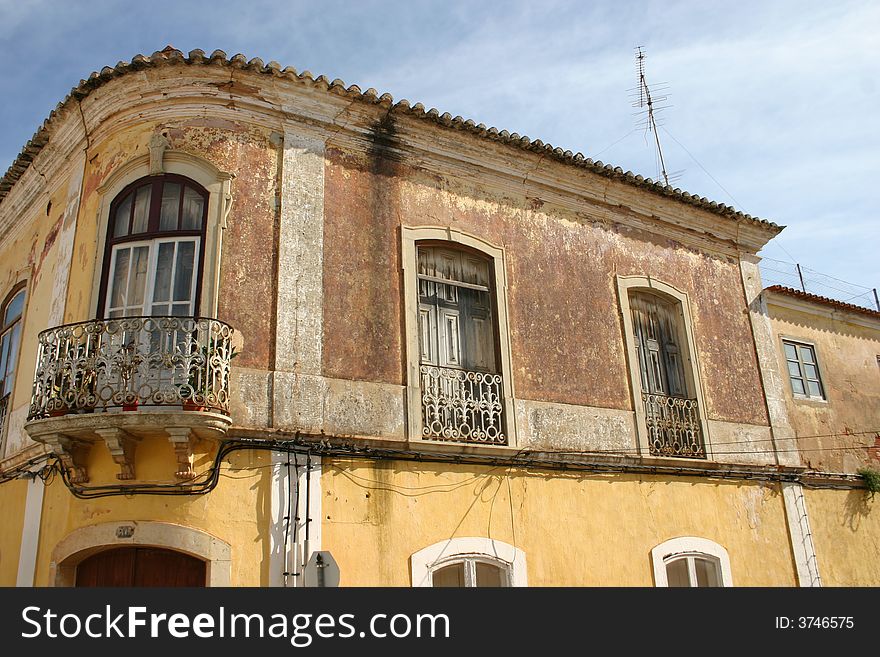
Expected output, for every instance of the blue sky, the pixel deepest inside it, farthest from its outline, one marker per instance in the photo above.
(773, 109)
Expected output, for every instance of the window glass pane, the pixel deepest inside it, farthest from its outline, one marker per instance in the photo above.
(798, 386)
(160, 309)
(11, 356)
(181, 310)
(806, 354)
(815, 391)
(120, 278)
(14, 309)
(139, 223)
(123, 214)
(164, 264)
(449, 576)
(707, 572)
(794, 369)
(677, 573)
(811, 371)
(138, 281)
(170, 206)
(183, 272)
(790, 351)
(489, 575)
(193, 210)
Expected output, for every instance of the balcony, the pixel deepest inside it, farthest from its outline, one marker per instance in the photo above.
(122, 380)
(673, 426)
(462, 406)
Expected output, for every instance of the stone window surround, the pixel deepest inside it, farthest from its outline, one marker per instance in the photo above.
(218, 185)
(20, 286)
(86, 541)
(444, 553)
(410, 236)
(689, 546)
(626, 285)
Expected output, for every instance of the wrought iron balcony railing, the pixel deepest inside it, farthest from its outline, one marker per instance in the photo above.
(133, 361)
(673, 426)
(462, 406)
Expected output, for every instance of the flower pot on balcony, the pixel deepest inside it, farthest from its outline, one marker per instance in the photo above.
(58, 412)
(133, 406)
(190, 405)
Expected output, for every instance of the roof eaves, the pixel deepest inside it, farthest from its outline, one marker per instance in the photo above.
(171, 56)
(825, 301)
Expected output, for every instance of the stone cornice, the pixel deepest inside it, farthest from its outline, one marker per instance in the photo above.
(245, 81)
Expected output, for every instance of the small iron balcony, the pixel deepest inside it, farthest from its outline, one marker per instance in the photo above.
(673, 426)
(131, 362)
(462, 406)
(123, 380)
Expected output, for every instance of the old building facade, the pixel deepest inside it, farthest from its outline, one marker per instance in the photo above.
(250, 315)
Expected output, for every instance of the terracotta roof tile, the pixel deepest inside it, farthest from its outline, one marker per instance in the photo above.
(171, 56)
(815, 298)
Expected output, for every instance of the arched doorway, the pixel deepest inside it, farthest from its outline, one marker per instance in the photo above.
(140, 566)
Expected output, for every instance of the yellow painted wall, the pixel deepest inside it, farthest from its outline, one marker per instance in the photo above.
(12, 500)
(846, 534)
(235, 511)
(30, 254)
(576, 530)
(835, 433)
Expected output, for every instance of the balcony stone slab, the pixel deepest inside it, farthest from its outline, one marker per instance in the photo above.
(71, 436)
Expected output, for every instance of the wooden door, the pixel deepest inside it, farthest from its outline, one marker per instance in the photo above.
(141, 566)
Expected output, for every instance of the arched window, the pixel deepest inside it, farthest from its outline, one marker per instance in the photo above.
(154, 249)
(10, 340)
(689, 561)
(469, 562)
(665, 379)
(458, 352)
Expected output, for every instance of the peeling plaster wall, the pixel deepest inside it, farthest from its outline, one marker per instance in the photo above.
(845, 525)
(576, 530)
(247, 268)
(842, 433)
(247, 488)
(561, 283)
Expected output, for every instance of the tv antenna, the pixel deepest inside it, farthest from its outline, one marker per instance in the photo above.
(651, 106)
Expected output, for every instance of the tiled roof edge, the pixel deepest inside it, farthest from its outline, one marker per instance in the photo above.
(815, 298)
(171, 56)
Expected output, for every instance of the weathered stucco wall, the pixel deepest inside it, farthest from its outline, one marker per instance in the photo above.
(576, 530)
(561, 278)
(214, 513)
(836, 434)
(248, 252)
(13, 495)
(36, 251)
(846, 527)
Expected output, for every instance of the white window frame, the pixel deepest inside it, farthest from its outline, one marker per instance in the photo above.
(469, 549)
(153, 257)
(410, 236)
(796, 343)
(633, 284)
(688, 547)
(217, 183)
(22, 287)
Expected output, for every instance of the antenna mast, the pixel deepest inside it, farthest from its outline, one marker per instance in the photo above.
(646, 102)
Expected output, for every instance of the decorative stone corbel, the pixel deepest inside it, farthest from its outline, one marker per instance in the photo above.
(181, 440)
(158, 145)
(122, 447)
(73, 454)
